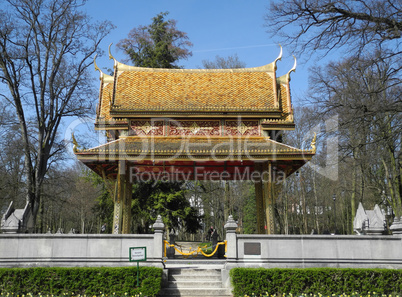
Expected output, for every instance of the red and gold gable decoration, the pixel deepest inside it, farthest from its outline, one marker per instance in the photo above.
(194, 127)
(147, 127)
(238, 128)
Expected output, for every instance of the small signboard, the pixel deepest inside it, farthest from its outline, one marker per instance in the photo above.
(138, 254)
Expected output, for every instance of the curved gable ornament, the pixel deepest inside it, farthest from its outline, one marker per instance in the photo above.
(110, 52)
(111, 56)
(313, 143)
(102, 76)
(285, 79)
(293, 68)
(75, 143)
(279, 57)
(96, 66)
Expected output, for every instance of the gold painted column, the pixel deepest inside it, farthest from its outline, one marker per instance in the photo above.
(122, 202)
(259, 201)
(268, 197)
(126, 228)
(117, 214)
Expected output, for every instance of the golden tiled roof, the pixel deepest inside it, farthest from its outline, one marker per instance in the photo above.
(195, 91)
(255, 92)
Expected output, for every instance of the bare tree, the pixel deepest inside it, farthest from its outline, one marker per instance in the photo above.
(369, 134)
(363, 89)
(11, 166)
(45, 51)
(327, 24)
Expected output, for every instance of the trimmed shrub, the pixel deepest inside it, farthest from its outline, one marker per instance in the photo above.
(326, 281)
(75, 281)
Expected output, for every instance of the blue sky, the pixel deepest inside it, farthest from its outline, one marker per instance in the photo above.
(219, 27)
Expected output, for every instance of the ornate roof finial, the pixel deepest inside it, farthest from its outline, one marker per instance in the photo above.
(95, 65)
(313, 142)
(280, 56)
(97, 68)
(110, 53)
(102, 76)
(75, 143)
(294, 67)
(284, 79)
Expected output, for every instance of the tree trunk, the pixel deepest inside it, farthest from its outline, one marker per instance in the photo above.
(317, 225)
(353, 197)
(227, 201)
(285, 210)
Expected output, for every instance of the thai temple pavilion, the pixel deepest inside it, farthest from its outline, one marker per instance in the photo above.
(194, 124)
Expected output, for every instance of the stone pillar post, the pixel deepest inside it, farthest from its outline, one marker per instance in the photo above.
(396, 227)
(159, 228)
(231, 238)
(231, 254)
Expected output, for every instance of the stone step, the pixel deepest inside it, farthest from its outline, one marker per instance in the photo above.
(196, 292)
(182, 277)
(195, 284)
(187, 282)
(193, 271)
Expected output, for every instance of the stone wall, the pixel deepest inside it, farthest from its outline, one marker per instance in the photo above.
(301, 251)
(71, 250)
(268, 251)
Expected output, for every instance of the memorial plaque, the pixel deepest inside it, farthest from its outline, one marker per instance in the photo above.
(252, 248)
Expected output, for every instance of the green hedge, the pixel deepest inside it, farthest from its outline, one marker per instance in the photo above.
(89, 281)
(327, 281)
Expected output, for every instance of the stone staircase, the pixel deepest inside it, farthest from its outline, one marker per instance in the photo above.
(188, 282)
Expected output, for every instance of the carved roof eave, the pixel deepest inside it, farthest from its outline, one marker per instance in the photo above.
(99, 126)
(118, 121)
(284, 123)
(88, 157)
(278, 126)
(182, 148)
(196, 113)
(266, 124)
